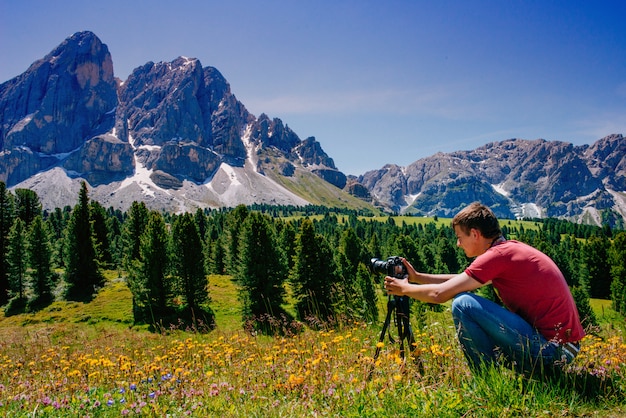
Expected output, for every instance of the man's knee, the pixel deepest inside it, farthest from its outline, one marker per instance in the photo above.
(463, 301)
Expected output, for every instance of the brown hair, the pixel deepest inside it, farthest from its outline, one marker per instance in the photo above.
(480, 217)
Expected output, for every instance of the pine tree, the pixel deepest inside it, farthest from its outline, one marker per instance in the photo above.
(82, 272)
(348, 258)
(587, 316)
(597, 271)
(98, 217)
(187, 263)
(373, 246)
(617, 260)
(41, 276)
(262, 273)
(6, 221)
(234, 223)
(216, 262)
(114, 226)
(404, 246)
(368, 300)
(447, 253)
(133, 228)
(27, 205)
(16, 258)
(287, 240)
(314, 275)
(56, 225)
(154, 263)
(147, 278)
(201, 223)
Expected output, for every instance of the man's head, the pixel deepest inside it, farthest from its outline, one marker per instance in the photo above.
(476, 227)
(480, 217)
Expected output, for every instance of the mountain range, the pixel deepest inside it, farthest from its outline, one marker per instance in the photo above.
(174, 136)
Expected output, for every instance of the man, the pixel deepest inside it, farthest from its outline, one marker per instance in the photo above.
(539, 326)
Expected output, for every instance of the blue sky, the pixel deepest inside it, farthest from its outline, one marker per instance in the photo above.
(375, 82)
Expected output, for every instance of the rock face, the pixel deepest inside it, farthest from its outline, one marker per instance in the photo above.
(168, 124)
(515, 177)
(50, 110)
(174, 136)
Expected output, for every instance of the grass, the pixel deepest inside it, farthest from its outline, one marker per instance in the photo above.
(89, 360)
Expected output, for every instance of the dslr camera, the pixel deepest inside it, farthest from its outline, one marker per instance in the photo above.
(393, 267)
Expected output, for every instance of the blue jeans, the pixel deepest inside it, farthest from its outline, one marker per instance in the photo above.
(490, 334)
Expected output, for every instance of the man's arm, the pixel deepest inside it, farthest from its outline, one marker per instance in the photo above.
(433, 292)
(424, 278)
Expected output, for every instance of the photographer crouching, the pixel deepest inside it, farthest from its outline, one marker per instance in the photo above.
(539, 328)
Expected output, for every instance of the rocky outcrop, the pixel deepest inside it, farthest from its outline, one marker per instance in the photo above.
(53, 108)
(516, 177)
(169, 123)
(175, 136)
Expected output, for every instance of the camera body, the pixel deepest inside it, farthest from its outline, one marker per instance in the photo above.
(393, 267)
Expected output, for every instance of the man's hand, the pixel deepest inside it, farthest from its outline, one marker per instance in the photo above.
(395, 286)
(412, 273)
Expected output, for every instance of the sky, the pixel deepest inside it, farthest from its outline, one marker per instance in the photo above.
(375, 82)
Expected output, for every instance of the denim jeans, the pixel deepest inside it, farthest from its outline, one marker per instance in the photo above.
(490, 334)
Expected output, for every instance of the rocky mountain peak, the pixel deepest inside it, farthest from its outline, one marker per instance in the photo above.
(167, 133)
(59, 102)
(175, 136)
(517, 177)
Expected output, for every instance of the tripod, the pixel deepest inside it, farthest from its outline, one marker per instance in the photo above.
(400, 305)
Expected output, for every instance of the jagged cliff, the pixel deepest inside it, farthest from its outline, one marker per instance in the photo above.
(174, 136)
(515, 177)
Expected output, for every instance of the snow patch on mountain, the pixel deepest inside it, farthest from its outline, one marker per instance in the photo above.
(499, 188)
(142, 174)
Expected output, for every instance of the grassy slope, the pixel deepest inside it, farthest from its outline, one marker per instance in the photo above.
(104, 328)
(310, 187)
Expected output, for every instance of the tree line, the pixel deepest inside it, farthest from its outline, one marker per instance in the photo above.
(318, 262)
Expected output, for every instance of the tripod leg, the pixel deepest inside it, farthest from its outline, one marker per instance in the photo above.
(402, 319)
(390, 308)
(406, 332)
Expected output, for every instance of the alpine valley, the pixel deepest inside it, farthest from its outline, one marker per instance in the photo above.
(175, 137)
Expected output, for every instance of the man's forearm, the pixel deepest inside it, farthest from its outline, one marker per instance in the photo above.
(425, 278)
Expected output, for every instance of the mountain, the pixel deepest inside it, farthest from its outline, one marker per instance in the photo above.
(172, 135)
(516, 177)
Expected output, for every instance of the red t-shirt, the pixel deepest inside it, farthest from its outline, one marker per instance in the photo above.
(531, 285)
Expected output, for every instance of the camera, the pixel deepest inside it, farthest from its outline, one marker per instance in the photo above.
(393, 267)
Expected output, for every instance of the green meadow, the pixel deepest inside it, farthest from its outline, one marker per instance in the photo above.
(88, 359)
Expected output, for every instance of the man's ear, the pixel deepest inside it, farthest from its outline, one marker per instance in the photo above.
(475, 233)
